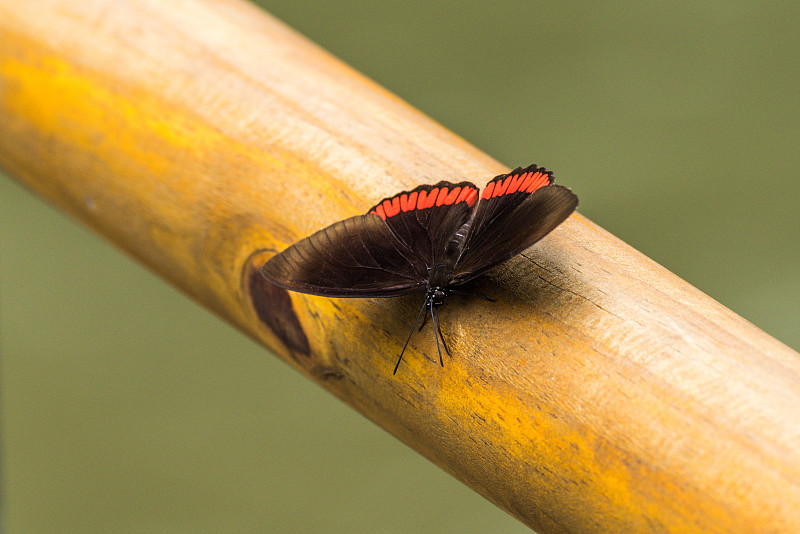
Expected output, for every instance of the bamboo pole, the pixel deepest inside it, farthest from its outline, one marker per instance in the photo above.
(599, 393)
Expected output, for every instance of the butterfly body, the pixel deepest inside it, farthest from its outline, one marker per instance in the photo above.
(432, 239)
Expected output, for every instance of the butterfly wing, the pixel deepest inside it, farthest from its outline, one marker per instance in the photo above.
(427, 218)
(515, 211)
(385, 253)
(356, 257)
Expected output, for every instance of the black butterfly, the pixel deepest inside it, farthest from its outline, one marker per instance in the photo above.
(429, 239)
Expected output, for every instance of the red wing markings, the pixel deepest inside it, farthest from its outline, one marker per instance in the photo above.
(522, 180)
(422, 199)
(527, 182)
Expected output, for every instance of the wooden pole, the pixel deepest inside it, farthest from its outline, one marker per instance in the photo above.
(599, 393)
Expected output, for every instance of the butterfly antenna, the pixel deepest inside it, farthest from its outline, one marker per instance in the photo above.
(436, 329)
(421, 311)
(472, 294)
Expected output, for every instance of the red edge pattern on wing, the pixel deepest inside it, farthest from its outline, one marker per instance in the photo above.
(422, 198)
(525, 180)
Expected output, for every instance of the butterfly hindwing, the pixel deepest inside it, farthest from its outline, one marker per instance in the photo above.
(515, 211)
(356, 257)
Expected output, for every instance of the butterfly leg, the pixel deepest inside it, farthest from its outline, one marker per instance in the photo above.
(484, 297)
(421, 311)
(434, 313)
(424, 322)
(439, 329)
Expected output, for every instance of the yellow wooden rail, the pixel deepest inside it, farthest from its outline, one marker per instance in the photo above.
(599, 393)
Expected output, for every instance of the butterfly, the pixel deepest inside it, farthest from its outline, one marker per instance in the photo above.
(430, 239)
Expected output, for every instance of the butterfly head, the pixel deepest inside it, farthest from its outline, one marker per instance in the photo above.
(436, 296)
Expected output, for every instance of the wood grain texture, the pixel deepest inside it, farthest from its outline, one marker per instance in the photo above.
(599, 393)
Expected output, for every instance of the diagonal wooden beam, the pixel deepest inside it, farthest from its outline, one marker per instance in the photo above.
(599, 393)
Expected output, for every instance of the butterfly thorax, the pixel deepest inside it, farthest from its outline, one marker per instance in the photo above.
(437, 284)
(439, 276)
(441, 273)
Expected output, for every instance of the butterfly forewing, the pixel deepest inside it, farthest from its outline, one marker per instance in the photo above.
(357, 257)
(516, 210)
(505, 192)
(426, 218)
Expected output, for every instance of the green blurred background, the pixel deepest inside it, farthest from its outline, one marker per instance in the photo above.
(127, 408)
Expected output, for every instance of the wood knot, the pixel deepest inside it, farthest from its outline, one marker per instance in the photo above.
(274, 309)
